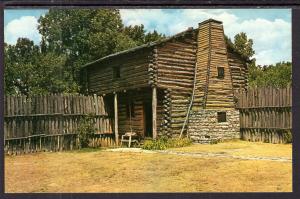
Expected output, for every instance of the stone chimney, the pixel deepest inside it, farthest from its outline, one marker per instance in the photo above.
(214, 82)
(213, 116)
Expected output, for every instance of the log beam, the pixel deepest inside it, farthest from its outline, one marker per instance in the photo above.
(116, 118)
(154, 109)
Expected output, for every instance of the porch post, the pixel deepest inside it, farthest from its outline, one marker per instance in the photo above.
(116, 118)
(154, 105)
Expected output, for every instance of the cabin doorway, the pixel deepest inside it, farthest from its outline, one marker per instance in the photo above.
(148, 119)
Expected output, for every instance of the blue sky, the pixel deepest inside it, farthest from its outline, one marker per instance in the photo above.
(269, 28)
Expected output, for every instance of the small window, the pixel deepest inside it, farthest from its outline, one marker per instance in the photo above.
(116, 72)
(130, 109)
(220, 72)
(221, 117)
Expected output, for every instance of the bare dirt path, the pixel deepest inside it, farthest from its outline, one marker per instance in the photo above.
(201, 154)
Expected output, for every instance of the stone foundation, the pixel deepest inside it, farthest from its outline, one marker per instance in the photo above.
(203, 126)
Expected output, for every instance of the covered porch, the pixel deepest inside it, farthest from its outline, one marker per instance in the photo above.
(140, 110)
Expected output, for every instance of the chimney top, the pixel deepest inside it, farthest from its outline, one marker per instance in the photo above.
(210, 20)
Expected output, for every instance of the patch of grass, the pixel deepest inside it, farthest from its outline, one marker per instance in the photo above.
(214, 141)
(154, 145)
(104, 171)
(178, 142)
(231, 140)
(86, 150)
(164, 143)
(288, 136)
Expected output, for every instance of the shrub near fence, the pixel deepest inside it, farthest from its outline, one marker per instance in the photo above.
(266, 114)
(50, 122)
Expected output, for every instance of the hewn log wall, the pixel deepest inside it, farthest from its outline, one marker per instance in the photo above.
(239, 71)
(133, 73)
(165, 114)
(176, 62)
(169, 66)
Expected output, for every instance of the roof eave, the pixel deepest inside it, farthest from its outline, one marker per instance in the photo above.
(144, 46)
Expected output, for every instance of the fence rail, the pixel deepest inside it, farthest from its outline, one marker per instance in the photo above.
(265, 114)
(51, 122)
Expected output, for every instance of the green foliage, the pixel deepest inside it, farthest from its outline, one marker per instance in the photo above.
(154, 145)
(19, 62)
(243, 45)
(30, 72)
(288, 137)
(214, 141)
(278, 75)
(178, 142)
(85, 35)
(163, 143)
(70, 39)
(86, 129)
(138, 34)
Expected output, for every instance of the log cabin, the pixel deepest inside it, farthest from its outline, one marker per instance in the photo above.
(178, 86)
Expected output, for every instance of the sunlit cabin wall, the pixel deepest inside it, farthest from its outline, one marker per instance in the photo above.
(176, 61)
(239, 71)
(212, 92)
(133, 73)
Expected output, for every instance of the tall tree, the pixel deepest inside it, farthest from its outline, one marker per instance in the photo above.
(9, 71)
(278, 75)
(139, 35)
(243, 45)
(70, 39)
(19, 62)
(84, 35)
(28, 71)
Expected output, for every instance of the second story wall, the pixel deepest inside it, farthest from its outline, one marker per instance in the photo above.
(175, 70)
(123, 72)
(176, 62)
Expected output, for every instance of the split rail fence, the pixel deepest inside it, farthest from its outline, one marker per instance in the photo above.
(265, 114)
(51, 122)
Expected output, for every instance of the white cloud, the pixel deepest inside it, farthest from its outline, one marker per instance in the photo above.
(25, 26)
(272, 38)
(172, 22)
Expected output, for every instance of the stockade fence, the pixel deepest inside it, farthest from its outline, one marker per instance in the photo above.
(51, 122)
(265, 114)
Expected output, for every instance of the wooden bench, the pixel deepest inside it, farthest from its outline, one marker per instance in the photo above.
(129, 137)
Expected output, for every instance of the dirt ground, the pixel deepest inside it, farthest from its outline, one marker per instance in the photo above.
(107, 171)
